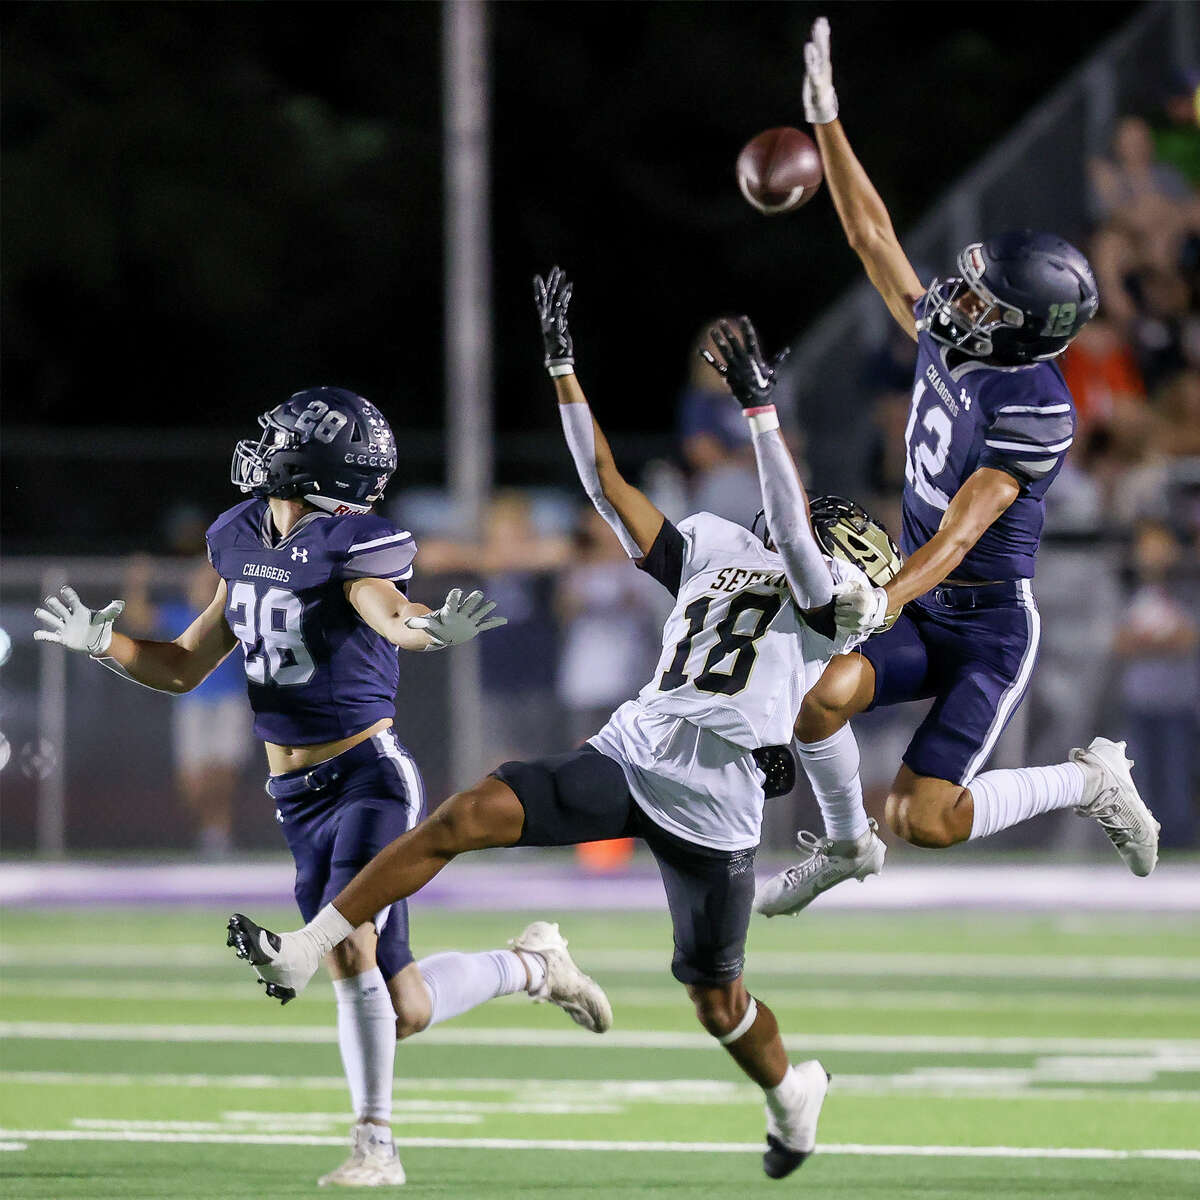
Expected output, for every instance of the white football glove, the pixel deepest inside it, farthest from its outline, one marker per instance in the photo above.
(73, 625)
(820, 100)
(458, 620)
(858, 608)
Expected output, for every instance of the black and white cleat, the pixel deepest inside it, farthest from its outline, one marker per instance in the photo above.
(793, 1137)
(261, 949)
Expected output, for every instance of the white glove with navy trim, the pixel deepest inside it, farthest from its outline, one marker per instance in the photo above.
(72, 624)
(458, 620)
(820, 100)
(858, 608)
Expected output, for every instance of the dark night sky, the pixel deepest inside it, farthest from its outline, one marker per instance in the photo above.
(207, 206)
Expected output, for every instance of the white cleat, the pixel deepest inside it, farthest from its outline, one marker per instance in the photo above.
(373, 1161)
(793, 1137)
(1110, 795)
(827, 863)
(577, 994)
(284, 962)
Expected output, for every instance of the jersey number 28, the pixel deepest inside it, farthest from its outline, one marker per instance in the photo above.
(269, 630)
(729, 641)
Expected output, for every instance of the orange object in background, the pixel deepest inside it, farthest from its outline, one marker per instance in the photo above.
(599, 858)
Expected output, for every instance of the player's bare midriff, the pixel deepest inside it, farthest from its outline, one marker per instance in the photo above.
(296, 758)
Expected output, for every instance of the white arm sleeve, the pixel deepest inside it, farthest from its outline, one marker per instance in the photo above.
(577, 427)
(787, 520)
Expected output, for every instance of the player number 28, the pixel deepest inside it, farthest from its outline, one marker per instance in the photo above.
(269, 630)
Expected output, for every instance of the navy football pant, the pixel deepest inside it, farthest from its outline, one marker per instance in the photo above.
(971, 648)
(338, 816)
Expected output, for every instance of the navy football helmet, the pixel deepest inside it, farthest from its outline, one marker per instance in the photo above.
(1019, 297)
(326, 445)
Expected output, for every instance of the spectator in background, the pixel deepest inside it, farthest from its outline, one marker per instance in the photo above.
(521, 718)
(211, 729)
(611, 618)
(1157, 644)
(716, 444)
(1132, 184)
(1103, 376)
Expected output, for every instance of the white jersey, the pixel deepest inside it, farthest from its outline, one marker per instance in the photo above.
(737, 660)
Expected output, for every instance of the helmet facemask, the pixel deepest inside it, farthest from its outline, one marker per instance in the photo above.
(963, 313)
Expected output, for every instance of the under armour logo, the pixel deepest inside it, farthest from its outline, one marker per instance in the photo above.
(299, 555)
(966, 400)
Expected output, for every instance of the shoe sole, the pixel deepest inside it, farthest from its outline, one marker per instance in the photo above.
(1120, 771)
(593, 1021)
(242, 934)
(861, 875)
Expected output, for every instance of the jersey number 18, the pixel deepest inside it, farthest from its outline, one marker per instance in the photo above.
(729, 641)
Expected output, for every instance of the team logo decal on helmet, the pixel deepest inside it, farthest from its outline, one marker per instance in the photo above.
(1019, 297)
(331, 447)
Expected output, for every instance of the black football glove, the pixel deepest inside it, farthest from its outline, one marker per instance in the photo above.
(552, 296)
(741, 364)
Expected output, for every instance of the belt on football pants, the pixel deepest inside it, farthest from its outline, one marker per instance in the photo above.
(325, 774)
(976, 595)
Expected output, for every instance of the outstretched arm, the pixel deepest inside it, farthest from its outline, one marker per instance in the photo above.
(751, 379)
(863, 214)
(631, 515)
(176, 666)
(412, 626)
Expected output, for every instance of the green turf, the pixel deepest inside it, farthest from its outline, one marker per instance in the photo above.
(914, 1010)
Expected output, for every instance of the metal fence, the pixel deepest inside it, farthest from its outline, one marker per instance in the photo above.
(91, 757)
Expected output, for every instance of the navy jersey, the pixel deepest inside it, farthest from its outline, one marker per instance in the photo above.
(315, 671)
(967, 414)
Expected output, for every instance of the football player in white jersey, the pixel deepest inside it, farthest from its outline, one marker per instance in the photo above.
(686, 765)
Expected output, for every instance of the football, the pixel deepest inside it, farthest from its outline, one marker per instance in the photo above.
(778, 170)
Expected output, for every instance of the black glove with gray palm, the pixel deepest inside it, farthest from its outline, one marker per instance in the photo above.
(741, 363)
(552, 295)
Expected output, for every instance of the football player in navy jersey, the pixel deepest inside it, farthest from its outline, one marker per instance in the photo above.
(990, 422)
(312, 588)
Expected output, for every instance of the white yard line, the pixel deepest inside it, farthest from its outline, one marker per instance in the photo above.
(666, 995)
(643, 1147)
(577, 1094)
(621, 1039)
(809, 963)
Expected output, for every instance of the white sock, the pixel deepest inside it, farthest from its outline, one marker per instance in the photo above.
(458, 982)
(832, 769)
(784, 1097)
(1003, 798)
(328, 929)
(367, 1040)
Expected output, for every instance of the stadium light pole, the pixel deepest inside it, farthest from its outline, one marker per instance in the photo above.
(468, 328)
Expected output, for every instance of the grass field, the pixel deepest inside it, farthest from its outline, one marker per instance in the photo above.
(973, 1055)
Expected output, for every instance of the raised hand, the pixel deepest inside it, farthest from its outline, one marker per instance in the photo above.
(820, 100)
(73, 625)
(741, 363)
(458, 620)
(552, 295)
